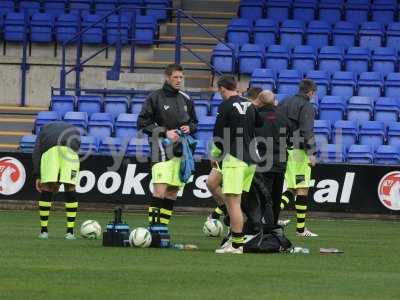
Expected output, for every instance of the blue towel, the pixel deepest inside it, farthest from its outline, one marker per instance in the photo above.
(188, 148)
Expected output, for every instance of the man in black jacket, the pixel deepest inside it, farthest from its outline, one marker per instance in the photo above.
(56, 162)
(302, 157)
(166, 113)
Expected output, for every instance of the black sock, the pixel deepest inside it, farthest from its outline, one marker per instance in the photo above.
(45, 202)
(218, 211)
(71, 207)
(154, 210)
(286, 198)
(301, 209)
(167, 207)
(237, 239)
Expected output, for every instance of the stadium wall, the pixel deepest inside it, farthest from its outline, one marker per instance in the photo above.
(356, 189)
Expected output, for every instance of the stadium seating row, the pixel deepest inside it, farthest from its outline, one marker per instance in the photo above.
(305, 58)
(333, 11)
(342, 83)
(85, 7)
(44, 28)
(360, 154)
(317, 33)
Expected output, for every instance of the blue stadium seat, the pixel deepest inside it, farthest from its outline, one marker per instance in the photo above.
(392, 85)
(206, 123)
(138, 146)
(131, 7)
(280, 97)
(126, 126)
(100, 130)
(330, 11)
(27, 143)
(277, 58)
(322, 80)
(265, 32)
(356, 11)
(372, 133)
(155, 9)
(145, 31)
(384, 60)
(239, 31)
(66, 27)
(360, 109)
(304, 10)
(202, 108)
(95, 34)
(109, 145)
(371, 35)
(393, 36)
(250, 57)
(386, 110)
(116, 105)
(44, 117)
(278, 10)
(360, 154)
(204, 135)
(343, 84)
(42, 26)
(62, 104)
(332, 108)
(318, 34)
(344, 34)
(330, 59)
(29, 7)
(387, 155)
(88, 144)
(332, 153)
(252, 10)
(357, 59)
(216, 98)
(15, 29)
(393, 135)
(370, 84)
(104, 7)
(105, 118)
(116, 28)
(136, 105)
(345, 133)
(78, 119)
(79, 7)
(304, 58)
(384, 11)
(223, 58)
(54, 7)
(263, 78)
(322, 131)
(288, 81)
(6, 7)
(292, 32)
(90, 104)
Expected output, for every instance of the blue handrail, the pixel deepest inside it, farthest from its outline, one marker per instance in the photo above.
(178, 46)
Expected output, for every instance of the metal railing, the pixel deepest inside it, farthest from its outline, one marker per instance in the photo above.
(113, 74)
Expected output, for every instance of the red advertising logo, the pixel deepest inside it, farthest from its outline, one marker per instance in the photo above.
(389, 190)
(12, 176)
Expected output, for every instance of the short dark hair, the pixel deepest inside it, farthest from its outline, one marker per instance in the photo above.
(228, 82)
(306, 86)
(172, 68)
(253, 92)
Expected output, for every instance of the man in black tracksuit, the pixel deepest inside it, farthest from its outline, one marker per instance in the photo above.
(166, 113)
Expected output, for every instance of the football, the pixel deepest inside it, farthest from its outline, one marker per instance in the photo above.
(91, 229)
(140, 237)
(213, 227)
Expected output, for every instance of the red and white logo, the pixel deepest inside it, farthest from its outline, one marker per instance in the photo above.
(12, 176)
(389, 190)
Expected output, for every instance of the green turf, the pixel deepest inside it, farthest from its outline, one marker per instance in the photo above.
(83, 269)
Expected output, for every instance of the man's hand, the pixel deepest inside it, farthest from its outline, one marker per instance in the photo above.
(37, 185)
(173, 135)
(313, 160)
(185, 129)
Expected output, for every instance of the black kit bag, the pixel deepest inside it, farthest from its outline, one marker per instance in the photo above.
(271, 239)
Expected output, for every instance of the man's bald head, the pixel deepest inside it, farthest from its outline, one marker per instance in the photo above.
(266, 98)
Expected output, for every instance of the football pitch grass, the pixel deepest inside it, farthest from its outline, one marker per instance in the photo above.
(83, 269)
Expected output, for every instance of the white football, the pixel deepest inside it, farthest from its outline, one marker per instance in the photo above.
(91, 229)
(140, 237)
(213, 227)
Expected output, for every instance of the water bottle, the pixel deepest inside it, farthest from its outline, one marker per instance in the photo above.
(300, 250)
(185, 247)
(179, 246)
